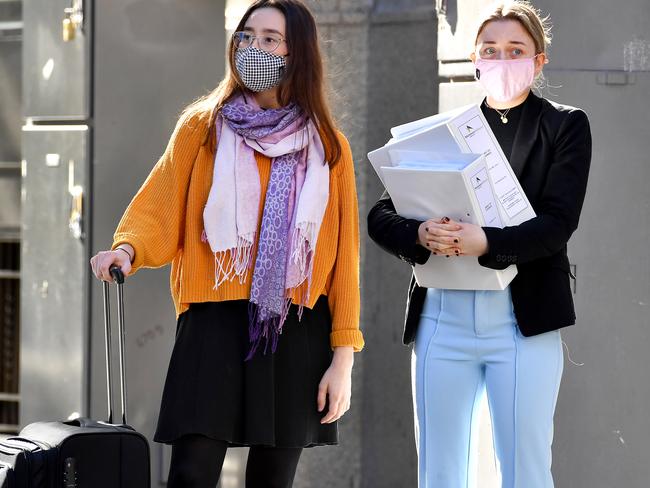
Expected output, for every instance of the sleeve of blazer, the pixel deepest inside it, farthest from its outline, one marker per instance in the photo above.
(558, 208)
(395, 234)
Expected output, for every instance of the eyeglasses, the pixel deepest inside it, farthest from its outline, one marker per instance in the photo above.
(268, 43)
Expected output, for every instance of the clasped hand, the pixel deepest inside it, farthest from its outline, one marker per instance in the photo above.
(447, 237)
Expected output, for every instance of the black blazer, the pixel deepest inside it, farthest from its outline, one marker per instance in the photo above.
(551, 156)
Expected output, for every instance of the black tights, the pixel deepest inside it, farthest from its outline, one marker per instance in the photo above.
(197, 461)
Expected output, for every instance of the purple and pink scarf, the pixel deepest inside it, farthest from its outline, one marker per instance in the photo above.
(296, 199)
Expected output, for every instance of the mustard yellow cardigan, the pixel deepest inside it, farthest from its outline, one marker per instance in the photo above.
(164, 221)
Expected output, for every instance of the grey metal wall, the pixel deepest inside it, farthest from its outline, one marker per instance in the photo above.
(53, 341)
(55, 149)
(601, 433)
(56, 73)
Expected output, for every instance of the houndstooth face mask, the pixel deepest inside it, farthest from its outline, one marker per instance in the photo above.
(258, 69)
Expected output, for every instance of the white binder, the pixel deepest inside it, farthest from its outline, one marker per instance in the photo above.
(463, 130)
(426, 184)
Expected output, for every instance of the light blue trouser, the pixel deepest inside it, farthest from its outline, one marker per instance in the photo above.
(468, 343)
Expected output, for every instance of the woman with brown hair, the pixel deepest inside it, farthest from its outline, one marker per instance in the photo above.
(506, 344)
(254, 205)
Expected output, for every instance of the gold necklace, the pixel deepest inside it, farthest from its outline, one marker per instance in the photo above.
(503, 115)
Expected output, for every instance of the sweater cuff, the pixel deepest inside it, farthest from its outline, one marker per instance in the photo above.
(135, 243)
(347, 337)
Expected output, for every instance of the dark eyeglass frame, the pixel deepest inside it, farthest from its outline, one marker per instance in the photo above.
(237, 40)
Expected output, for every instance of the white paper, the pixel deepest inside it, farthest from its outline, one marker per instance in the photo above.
(431, 159)
(411, 128)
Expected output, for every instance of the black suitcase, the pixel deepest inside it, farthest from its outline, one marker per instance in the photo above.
(81, 453)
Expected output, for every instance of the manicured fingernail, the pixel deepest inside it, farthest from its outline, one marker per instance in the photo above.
(427, 244)
(456, 241)
(446, 219)
(427, 229)
(447, 255)
(435, 253)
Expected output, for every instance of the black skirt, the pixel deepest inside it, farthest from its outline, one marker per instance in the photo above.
(270, 400)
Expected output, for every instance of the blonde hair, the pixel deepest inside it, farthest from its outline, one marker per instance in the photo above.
(522, 11)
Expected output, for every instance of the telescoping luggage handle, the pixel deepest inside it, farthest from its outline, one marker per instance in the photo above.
(118, 276)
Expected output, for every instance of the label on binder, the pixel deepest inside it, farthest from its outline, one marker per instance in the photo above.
(483, 191)
(480, 141)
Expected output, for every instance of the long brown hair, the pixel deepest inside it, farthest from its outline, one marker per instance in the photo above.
(302, 81)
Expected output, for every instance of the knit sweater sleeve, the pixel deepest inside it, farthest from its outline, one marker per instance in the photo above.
(153, 223)
(344, 294)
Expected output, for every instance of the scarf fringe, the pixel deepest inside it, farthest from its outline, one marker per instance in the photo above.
(221, 272)
(263, 325)
(302, 255)
(301, 305)
(241, 258)
(303, 241)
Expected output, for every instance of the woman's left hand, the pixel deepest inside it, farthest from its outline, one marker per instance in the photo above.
(336, 386)
(472, 240)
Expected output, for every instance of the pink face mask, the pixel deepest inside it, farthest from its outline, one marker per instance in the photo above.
(505, 79)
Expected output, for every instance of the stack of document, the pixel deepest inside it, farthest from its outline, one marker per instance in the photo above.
(452, 165)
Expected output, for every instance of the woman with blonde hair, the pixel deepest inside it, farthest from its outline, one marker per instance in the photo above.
(254, 205)
(506, 343)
